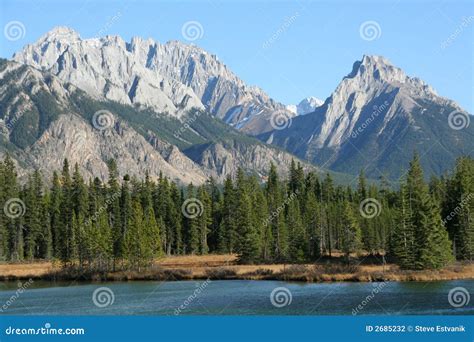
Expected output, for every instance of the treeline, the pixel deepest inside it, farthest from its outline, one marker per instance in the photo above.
(125, 223)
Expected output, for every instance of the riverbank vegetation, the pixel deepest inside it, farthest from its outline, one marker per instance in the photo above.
(227, 267)
(92, 227)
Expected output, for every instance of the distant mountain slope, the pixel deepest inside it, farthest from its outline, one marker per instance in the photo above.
(307, 105)
(374, 120)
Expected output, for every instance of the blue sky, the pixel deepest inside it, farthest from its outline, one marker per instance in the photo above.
(291, 49)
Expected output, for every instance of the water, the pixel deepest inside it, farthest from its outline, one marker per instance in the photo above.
(235, 297)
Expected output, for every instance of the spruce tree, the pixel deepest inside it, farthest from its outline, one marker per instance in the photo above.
(432, 248)
(351, 233)
(249, 246)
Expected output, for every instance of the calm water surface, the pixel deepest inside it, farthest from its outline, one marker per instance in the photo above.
(234, 297)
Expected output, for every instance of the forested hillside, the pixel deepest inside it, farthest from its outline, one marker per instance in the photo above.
(127, 222)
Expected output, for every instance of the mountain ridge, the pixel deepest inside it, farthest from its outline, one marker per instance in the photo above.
(137, 140)
(178, 75)
(374, 111)
(373, 120)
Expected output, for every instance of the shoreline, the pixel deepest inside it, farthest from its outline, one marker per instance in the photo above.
(224, 267)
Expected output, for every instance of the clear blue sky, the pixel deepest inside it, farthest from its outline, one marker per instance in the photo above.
(314, 44)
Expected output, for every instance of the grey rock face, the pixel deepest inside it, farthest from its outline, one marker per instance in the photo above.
(41, 126)
(71, 136)
(169, 78)
(374, 120)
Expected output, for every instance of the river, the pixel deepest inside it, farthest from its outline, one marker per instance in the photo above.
(236, 297)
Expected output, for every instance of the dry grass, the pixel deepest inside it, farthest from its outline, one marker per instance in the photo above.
(26, 270)
(226, 267)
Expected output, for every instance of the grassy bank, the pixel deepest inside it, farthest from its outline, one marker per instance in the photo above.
(225, 267)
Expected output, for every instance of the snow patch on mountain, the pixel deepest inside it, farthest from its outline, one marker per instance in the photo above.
(307, 105)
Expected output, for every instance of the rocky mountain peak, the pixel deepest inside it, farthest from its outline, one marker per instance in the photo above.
(60, 33)
(170, 78)
(376, 69)
(305, 106)
(373, 72)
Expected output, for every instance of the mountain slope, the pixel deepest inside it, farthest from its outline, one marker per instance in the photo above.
(44, 121)
(41, 126)
(374, 120)
(167, 78)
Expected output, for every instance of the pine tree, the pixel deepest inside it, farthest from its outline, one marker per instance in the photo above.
(227, 236)
(55, 215)
(204, 219)
(114, 211)
(32, 219)
(312, 224)
(191, 212)
(275, 194)
(153, 247)
(66, 232)
(351, 234)
(249, 246)
(402, 241)
(458, 209)
(298, 248)
(432, 248)
(175, 219)
(14, 225)
(4, 238)
(46, 236)
(215, 213)
(125, 217)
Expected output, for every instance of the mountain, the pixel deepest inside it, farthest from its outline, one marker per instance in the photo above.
(44, 120)
(197, 118)
(41, 126)
(374, 120)
(168, 78)
(307, 105)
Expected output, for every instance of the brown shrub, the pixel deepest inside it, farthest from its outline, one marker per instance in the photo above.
(339, 268)
(220, 273)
